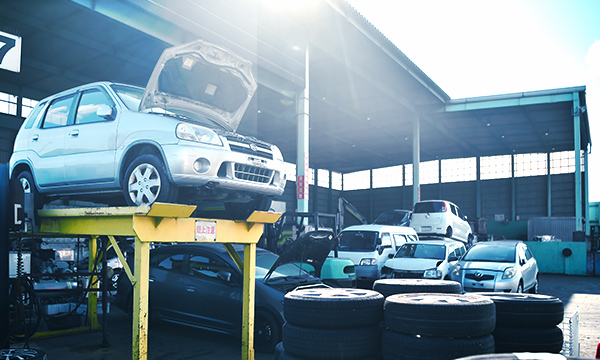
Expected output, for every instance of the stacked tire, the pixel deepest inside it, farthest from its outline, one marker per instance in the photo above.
(433, 326)
(527, 322)
(328, 323)
(389, 287)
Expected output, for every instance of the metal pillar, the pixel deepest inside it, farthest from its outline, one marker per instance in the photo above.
(587, 193)
(4, 249)
(416, 159)
(302, 166)
(513, 189)
(478, 186)
(577, 148)
(549, 186)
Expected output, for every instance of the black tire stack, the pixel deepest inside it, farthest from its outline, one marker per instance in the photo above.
(527, 322)
(432, 326)
(389, 287)
(328, 323)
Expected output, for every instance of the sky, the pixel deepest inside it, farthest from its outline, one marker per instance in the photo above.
(473, 48)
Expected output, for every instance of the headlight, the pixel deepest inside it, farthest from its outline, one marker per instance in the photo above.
(277, 155)
(368, 262)
(456, 270)
(186, 131)
(509, 273)
(432, 274)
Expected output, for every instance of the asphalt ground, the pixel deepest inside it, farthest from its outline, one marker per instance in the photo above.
(176, 342)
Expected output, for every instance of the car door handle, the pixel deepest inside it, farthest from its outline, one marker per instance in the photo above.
(151, 279)
(35, 137)
(191, 289)
(74, 133)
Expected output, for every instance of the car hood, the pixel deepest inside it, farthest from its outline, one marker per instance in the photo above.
(311, 248)
(201, 79)
(485, 265)
(412, 264)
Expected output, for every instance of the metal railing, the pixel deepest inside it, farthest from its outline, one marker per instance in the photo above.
(570, 329)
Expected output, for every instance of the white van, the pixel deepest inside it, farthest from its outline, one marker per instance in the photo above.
(369, 247)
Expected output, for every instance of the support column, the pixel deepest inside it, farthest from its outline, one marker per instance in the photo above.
(577, 148)
(371, 217)
(587, 193)
(513, 188)
(302, 184)
(416, 159)
(478, 186)
(549, 187)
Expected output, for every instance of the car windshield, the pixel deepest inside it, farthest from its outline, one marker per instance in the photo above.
(264, 262)
(430, 207)
(491, 253)
(422, 251)
(130, 95)
(392, 218)
(358, 240)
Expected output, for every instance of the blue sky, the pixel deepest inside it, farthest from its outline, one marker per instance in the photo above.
(482, 47)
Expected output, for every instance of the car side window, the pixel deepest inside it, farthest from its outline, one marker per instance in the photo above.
(386, 239)
(528, 254)
(88, 105)
(453, 209)
(521, 254)
(58, 112)
(207, 268)
(34, 115)
(460, 213)
(399, 239)
(170, 261)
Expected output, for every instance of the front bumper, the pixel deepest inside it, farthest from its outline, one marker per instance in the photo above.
(367, 272)
(486, 281)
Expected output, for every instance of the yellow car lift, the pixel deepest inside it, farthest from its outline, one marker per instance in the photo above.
(167, 223)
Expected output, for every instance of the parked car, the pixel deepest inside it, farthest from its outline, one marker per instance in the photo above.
(199, 285)
(431, 259)
(393, 217)
(173, 141)
(440, 217)
(369, 247)
(498, 266)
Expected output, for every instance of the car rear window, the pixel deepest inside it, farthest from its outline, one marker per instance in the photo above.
(430, 207)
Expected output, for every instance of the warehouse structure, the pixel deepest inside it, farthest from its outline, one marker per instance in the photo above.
(353, 116)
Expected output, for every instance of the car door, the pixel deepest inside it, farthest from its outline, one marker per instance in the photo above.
(47, 143)
(462, 224)
(90, 142)
(212, 296)
(165, 281)
(529, 268)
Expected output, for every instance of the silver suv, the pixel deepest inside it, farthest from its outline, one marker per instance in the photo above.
(173, 141)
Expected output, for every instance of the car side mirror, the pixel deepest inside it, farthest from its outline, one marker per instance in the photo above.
(224, 275)
(466, 218)
(522, 262)
(378, 241)
(105, 111)
(391, 256)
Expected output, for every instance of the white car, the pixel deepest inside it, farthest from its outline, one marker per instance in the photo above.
(430, 259)
(173, 141)
(440, 217)
(497, 266)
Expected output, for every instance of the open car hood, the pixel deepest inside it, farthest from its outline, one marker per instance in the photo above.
(311, 248)
(201, 79)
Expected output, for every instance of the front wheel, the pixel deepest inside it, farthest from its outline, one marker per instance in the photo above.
(449, 232)
(146, 182)
(267, 332)
(520, 288)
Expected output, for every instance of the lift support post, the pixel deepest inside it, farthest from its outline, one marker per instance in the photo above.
(168, 223)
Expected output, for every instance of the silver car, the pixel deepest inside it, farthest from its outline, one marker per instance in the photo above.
(498, 266)
(173, 141)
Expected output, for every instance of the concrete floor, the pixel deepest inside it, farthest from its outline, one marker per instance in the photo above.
(174, 342)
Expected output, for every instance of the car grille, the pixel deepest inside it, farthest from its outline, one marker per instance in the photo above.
(407, 274)
(247, 146)
(471, 289)
(253, 173)
(482, 278)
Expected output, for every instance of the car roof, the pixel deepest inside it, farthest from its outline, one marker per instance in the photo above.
(377, 227)
(500, 243)
(437, 242)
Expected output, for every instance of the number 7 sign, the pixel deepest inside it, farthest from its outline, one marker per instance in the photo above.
(10, 52)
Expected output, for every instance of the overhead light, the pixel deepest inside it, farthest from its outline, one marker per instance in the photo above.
(259, 111)
(368, 118)
(503, 136)
(546, 133)
(488, 124)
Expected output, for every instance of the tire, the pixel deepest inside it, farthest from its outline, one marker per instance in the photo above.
(22, 354)
(26, 182)
(520, 288)
(516, 356)
(351, 343)
(515, 339)
(23, 327)
(449, 232)
(526, 310)
(333, 308)
(267, 332)
(451, 315)
(536, 288)
(389, 287)
(146, 182)
(397, 346)
(241, 211)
